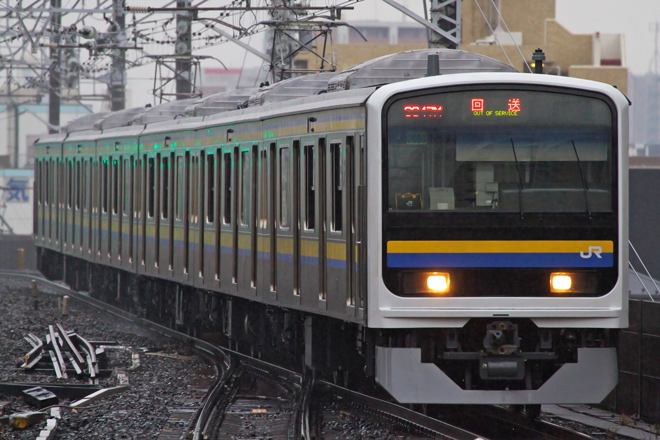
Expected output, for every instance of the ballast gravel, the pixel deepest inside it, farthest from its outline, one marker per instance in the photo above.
(160, 386)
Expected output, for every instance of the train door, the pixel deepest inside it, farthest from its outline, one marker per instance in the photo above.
(48, 208)
(66, 203)
(245, 246)
(296, 218)
(266, 264)
(254, 194)
(126, 211)
(89, 205)
(284, 240)
(209, 266)
(97, 202)
(309, 225)
(156, 209)
(59, 189)
(323, 223)
(361, 226)
(179, 235)
(262, 236)
(151, 244)
(144, 190)
(167, 243)
(80, 205)
(113, 192)
(200, 217)
(350, 225)
(117, 208)
(138, 206)
(228, 242)
(192, 245)
(104, 214)
(336, 251)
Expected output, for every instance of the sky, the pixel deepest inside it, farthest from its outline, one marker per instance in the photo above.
(633, 18)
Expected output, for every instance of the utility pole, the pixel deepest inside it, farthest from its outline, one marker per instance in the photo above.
(118, 69)
(446, 14)
(445, 24)
(183, 51)
(54, 78)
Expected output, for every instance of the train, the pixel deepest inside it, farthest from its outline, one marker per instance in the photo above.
(432, 221)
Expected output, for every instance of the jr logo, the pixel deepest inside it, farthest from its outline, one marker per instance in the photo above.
(593, 250)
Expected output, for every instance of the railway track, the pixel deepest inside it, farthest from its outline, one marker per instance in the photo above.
(253, 398)
(503, 424)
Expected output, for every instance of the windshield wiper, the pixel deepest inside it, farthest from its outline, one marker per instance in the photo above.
(520, 185)
(584, 181)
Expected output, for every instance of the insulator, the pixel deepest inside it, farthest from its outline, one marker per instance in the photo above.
(138, 9)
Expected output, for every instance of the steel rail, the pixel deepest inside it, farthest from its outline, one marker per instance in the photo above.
(396, 411)
(496, 418)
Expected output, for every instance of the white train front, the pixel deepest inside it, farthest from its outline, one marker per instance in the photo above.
(461, 238)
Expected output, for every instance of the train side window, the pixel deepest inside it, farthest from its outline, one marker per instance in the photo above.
(194, 194)
(46, 183)
(337, 187)
(210, 173)
(126, 194)
(69, 167)
(151, 185)
(310, 188)
(78, 188)
(115, 185)
(227, 172)
(285, 190)
(138, 188)
(105, 185)
(245, 187)
(166, 187)
(83, 187)
(179, 188)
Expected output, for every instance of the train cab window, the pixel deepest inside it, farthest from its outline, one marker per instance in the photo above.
(310, 188)
(245, 187)
(228, 188)
(210, 196)
(285, 187)
(337, 188)
(151, 187)
(519, 151)
(166, 187)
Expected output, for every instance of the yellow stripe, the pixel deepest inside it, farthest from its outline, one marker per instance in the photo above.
(459, 247)
(336, 251)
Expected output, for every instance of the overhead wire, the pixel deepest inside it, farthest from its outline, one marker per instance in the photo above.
(493, 32)
(511, 35)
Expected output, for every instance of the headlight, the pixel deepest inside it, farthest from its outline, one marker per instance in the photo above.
(560, 282)
(432, 283)
(438, 282)
(573, 282)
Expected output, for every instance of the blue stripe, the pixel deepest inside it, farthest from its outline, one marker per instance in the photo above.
(498, 260)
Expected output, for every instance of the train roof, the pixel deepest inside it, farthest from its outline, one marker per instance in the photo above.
(384, 70)
(413, 64)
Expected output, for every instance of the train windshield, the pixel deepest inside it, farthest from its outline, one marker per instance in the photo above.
(499, 150)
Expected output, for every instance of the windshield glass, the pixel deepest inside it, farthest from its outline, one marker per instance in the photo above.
(499, 150)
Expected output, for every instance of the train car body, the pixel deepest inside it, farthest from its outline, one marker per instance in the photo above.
(461, 238)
